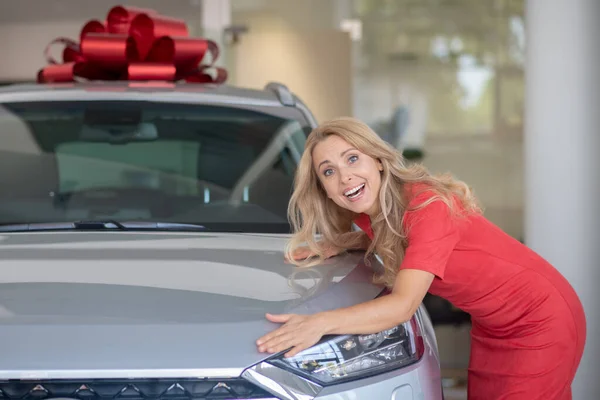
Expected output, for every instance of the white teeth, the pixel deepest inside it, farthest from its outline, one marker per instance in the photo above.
(352, 191)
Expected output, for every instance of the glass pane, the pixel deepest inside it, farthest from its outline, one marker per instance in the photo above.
(226, 168)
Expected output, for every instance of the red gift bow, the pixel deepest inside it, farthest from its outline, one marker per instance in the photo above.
(133, 44)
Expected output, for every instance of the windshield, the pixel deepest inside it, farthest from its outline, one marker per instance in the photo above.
(228, 169)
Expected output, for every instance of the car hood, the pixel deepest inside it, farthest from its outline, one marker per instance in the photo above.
(128, 304)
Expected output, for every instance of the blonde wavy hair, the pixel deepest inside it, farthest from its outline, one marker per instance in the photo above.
(312, 213)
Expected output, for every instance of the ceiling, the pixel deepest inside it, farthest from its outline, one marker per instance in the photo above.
(31, 11)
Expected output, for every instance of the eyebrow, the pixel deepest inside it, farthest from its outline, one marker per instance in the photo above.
(341, 155)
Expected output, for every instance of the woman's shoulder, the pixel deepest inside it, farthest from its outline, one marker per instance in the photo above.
(417, 194)
(423, 201)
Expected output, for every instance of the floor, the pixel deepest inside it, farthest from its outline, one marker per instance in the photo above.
(455, 384)
(455, 394)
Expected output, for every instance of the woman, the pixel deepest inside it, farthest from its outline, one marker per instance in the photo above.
(528, 326)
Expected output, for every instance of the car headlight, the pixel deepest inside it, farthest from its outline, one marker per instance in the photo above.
(350, 357)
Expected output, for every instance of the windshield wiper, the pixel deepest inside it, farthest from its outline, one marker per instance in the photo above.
(103, 225)
(161, 226)
(98, 225)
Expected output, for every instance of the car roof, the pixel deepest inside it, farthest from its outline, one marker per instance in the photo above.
(271, 95)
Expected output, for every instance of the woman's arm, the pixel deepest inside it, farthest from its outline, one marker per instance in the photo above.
(433, 236)
(300, 332)
(385, 312)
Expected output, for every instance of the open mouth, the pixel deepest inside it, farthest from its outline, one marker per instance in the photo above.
(354, 192)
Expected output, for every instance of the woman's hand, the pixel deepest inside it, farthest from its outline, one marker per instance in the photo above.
(299, 332)
(304, 252)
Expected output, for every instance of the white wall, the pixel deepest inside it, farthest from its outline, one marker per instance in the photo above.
(295, 43)
(27, 52)
(305, 15)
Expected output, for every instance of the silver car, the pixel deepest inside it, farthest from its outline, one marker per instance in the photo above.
(142, 229)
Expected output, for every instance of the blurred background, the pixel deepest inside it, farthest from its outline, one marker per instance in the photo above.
(442, 79)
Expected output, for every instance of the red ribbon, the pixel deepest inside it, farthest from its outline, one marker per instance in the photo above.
(134, 44)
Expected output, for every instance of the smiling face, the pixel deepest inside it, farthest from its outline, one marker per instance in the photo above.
(350, 178)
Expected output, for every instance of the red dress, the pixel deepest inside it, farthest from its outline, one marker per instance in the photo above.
(528, 325)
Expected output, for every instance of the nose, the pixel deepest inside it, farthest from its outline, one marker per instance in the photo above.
(345, 176)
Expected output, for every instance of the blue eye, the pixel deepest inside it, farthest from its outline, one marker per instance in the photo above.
(328, 172)
(353, 159)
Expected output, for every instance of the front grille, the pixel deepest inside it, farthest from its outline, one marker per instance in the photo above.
(132, 389)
